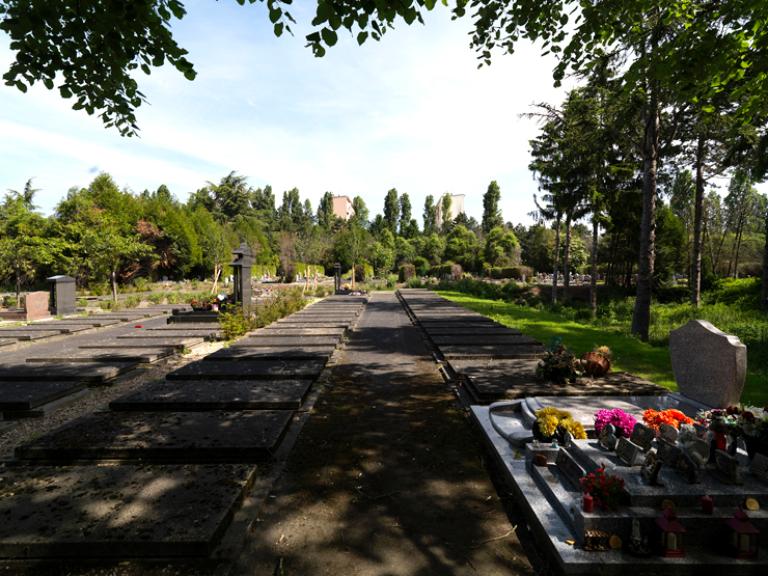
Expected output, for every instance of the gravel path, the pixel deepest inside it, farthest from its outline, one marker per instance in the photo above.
(387, 477)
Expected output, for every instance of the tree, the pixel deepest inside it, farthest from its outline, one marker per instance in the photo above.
(501, 247)
(361, 211)
(429, 216)
(405, 216)
(445, 211)
(462, 247)
(325, 215)
(391, 210)
(743, 209)
(491, 212)
(350, 247)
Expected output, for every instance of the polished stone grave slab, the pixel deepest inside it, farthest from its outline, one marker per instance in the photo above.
(147, 335)
(492, 351)
(289, 341)
(90, 321)
(123, 511)
(298, 331)
(253, 370)
(467, 339)
(289, 321)
(26, 396)
(493, 379)
(125, 316)
(141, 355)
(186, 437)
(93, 372)
(247, 353)
(61, 328)
(175, 342)
(209, 327)
(471, 331)
(21, 334)
(453, 325)
(203, 395)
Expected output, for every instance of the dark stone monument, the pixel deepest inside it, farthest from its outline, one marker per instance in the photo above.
(336, 277)
(642, 436)
(241, 270)
(62, 295)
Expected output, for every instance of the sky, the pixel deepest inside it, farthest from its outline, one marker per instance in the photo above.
(411, 112)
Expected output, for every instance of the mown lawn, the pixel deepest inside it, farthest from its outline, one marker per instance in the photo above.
(630, 354)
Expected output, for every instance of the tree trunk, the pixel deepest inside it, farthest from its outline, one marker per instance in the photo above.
(557, 259)
(593, 270)
(18, 290)
(738, 249)
(694, 281)
(216, 274)
(354, 273)
(567, 258)
(641, 317)
(764, 292)
(114, 287)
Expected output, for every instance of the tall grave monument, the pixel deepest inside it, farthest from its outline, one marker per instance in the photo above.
(241, 271)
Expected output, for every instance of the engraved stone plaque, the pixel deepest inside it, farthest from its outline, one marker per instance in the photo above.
(629, 452)
(642, 436)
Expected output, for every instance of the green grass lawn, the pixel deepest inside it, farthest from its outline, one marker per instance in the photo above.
(629, 354)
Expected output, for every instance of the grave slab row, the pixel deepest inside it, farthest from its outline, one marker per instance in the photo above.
(165, 437)
(288, 341)
(79, 322)
(492, 351)
(140, 355)
(7, 342)
(92, 372)
(26, 396)
(507, 340)
(206, 395)
(254, 370)
(244, 353)
(21, 334)
(471, 331)
(298, 331)
(118, 511)
(61, 328)
(177, 343)
(146, 335)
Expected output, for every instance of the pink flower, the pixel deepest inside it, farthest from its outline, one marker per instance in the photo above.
(623, 422)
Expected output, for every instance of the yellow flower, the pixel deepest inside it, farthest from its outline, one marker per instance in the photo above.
(574, 427)
(548, 424)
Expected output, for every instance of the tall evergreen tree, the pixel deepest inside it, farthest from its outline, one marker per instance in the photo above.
(391, 210)
(491, 212)
(429, 216)
(405, 215)
(361, 211)
(325, 215)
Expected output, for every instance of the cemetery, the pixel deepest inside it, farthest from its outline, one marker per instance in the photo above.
(394, 370)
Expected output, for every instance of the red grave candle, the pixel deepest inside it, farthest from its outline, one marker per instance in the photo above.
(588, 503)
(707, 504)
(720, 442)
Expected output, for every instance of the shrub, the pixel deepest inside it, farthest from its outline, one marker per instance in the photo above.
(132, 301)
(156, 297)
(141, 284)
(407, 271)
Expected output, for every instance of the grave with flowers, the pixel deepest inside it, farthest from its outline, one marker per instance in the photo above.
(672, 483)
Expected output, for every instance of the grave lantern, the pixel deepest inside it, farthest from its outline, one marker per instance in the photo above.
(671, 533)
(743, 535)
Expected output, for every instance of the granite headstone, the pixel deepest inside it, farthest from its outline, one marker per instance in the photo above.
(709, 365)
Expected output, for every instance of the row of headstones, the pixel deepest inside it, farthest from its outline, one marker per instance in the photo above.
(232, 409)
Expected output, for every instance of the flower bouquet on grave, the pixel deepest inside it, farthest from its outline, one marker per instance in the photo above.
(552, 424)
(597, 362)
(747, 422)
(607, 490)
(622, 421)
(559, 365)
(655, 418)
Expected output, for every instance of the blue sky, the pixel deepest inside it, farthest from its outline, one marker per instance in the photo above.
(411, 112)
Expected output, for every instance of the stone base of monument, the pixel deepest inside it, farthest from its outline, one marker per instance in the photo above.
(545, 480)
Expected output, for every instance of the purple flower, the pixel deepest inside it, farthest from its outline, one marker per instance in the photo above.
(623, 422)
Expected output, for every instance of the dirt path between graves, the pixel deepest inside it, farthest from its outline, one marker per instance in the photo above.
(387, 477)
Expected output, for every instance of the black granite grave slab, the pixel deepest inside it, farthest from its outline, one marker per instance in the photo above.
(26, 396)
(92, 372)
(453, 324)
(186, 437)
(141, 355)
(123, 511)
(177, 343)
(312, 322)
(147, 335)
(289, 341)
(471, 331)
(492, 351)
(298, 331)
(494, 379)
(254, 370)
(20, 334)
(186, 328)
(246, 353)
(506, 340)
(204, 395)
(61, 328)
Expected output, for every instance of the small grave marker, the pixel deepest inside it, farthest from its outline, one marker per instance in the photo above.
(642, 436)
(629, 452)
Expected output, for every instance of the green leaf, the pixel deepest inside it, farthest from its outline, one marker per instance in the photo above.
(362, 37)
(329, 36)
(279, 29)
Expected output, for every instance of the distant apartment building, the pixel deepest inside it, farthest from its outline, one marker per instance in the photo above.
(342, 207)
(457, 207)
